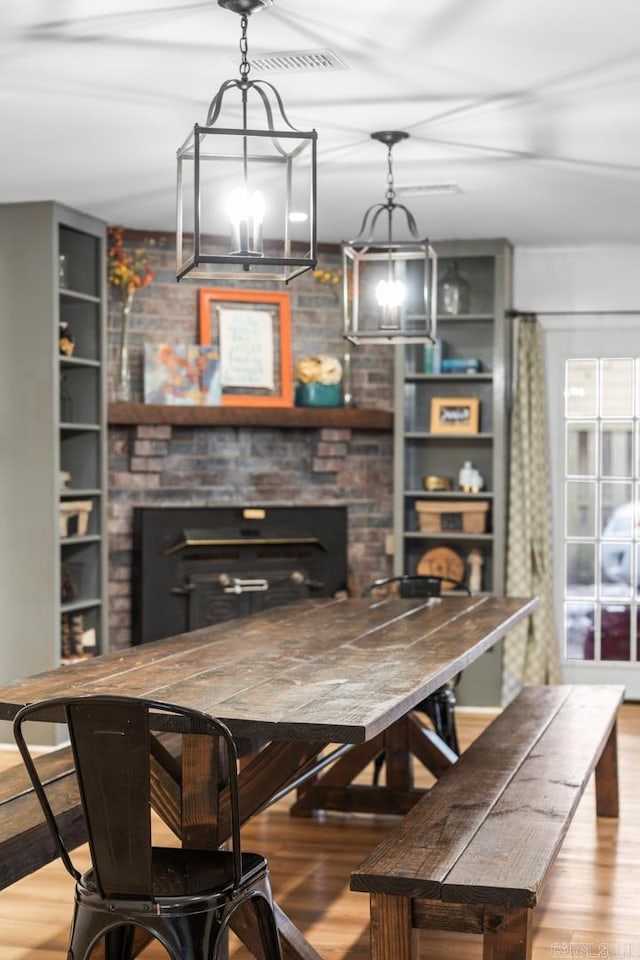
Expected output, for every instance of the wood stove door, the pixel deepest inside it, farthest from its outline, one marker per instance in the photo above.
(213, 598)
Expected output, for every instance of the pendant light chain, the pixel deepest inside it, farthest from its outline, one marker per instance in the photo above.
(245, 66)
(391, 193)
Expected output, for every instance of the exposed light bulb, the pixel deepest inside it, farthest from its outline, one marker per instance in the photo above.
(390, 297)
(243, 205)
(246, 213)
(390, 293)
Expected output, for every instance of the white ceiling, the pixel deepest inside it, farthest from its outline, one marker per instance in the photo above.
(532, 108)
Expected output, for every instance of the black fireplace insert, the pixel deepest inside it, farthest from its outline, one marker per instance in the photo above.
(199, 565)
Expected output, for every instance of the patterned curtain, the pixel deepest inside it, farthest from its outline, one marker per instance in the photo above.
(531, 649)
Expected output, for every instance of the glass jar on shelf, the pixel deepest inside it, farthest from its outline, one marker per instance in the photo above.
(453, 291)
(63, 279)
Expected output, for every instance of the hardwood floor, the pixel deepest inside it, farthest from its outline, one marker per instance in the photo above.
(589, 908)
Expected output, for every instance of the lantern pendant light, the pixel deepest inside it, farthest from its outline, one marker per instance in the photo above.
(389, 284)
(246, 205)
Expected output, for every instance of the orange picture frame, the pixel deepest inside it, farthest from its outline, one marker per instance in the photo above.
(453, 415)
(278, 307)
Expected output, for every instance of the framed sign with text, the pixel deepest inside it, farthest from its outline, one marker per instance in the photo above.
(251, 330)
(455, 415)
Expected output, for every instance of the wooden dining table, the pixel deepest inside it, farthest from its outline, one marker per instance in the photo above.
(313, 690)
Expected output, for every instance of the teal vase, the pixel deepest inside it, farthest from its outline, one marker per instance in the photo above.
(318, 395)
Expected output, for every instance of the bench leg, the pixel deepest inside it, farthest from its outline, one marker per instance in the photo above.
(507, 934)
(607, 778)
(392, 935)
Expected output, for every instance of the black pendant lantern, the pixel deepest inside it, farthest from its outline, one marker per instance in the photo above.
(246, 185)
(390, 283)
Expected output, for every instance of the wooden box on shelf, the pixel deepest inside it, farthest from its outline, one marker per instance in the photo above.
(74, 517)
(464, 516)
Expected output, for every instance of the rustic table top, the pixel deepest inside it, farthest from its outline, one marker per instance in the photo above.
(340, 671)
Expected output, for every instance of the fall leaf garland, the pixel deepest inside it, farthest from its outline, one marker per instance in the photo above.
(128, 271)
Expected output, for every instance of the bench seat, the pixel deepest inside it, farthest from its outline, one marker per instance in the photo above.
(25, 839)
(475, 852)
(26, 843)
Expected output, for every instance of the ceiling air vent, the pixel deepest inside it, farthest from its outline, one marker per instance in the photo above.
(428, 190)
(302, 61)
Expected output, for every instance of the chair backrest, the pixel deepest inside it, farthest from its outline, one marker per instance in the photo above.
(415, 585)
(112, 739)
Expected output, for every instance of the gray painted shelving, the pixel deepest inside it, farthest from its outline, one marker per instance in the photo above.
(52, 411)
(484, 333)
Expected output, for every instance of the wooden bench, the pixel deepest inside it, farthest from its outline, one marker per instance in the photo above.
(25, 839)
(475, 852)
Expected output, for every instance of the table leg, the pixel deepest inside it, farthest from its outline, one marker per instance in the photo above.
(401, 743)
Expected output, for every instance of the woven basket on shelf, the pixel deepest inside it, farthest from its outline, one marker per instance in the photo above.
(441, 516)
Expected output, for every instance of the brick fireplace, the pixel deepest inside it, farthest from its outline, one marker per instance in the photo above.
(325, 462)
(169, 466)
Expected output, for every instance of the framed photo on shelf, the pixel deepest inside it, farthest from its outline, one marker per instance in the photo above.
(251, 330)
(455, 415)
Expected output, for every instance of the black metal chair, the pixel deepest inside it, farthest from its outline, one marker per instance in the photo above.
(440, 705)
(183, 897)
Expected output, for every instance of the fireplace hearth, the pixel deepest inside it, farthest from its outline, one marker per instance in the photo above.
(199, 565)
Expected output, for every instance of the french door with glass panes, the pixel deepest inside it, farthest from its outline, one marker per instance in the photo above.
(594, 426)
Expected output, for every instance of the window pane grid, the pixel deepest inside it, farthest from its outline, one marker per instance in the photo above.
(602, 524)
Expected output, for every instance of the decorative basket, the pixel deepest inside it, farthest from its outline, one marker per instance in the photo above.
(462, 516)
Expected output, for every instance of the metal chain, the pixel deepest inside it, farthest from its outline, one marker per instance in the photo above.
(391, 193)
(245, 66)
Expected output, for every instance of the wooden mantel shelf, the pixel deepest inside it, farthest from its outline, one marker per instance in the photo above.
(341, 418)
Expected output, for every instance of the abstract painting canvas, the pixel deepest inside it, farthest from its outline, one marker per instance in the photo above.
(181, 375)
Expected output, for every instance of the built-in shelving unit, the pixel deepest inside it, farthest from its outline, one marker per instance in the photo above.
(53, 478)
(482, 333)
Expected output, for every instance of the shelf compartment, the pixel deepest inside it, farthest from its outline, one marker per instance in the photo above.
(83, 324)
(74, 518)
(87, 526)
(414, 549)
(420, 394)
(80, 574)
(441, 455)
(467, 338)
(82, 253)
(478, 272)
(81, 455)
(80, 397)
(80, 629)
